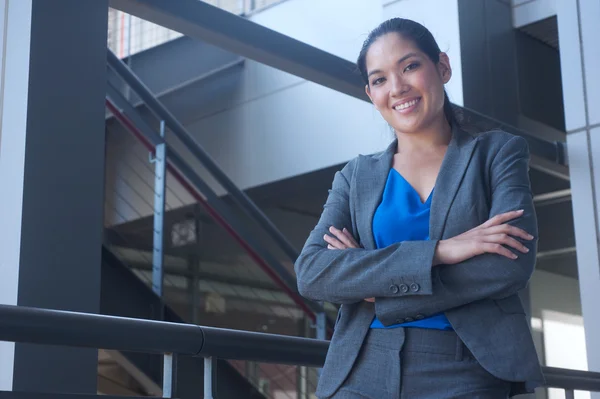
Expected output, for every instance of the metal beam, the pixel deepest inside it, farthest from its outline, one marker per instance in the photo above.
(230, 32)
(556, 252)
(552, 197)
(238, 35)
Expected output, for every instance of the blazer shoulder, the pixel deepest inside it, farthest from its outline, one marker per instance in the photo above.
(353, 165)
(495, 141)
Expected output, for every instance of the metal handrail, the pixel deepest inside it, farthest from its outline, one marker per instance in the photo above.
(55, 327)
(179, 130)
(58, 327)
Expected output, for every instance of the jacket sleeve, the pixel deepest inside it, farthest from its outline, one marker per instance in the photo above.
(351, 275)
(489, 275)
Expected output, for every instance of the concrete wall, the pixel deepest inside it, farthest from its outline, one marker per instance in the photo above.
(551, 291)
(557, 324)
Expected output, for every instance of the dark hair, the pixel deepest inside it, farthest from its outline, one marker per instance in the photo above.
(422, 38)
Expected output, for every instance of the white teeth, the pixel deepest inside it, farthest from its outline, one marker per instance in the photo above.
(406, 105)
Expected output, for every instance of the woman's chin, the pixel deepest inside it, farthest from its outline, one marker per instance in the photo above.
(408, 128)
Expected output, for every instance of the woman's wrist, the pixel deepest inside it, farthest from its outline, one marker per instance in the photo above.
(438, 253)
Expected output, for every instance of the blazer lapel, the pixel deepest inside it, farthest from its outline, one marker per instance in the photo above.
(451, 173)
(371, 177)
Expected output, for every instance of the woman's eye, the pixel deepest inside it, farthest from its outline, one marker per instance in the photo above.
(412, 66)
(377, 81)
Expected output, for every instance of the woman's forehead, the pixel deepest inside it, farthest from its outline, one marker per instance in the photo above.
(390, 47)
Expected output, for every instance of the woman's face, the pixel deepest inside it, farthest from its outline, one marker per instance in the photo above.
(405, 86)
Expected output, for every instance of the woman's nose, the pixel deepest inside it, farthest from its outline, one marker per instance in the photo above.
(399, 87)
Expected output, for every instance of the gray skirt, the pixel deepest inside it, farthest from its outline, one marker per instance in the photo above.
(418, 363)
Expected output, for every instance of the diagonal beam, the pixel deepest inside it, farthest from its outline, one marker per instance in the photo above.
(238, 35)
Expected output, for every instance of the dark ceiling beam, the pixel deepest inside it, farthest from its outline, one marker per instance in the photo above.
(238, 35)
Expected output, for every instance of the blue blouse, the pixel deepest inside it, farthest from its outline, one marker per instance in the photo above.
(402, 216)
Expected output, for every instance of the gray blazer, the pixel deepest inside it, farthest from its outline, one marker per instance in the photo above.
(480, 177)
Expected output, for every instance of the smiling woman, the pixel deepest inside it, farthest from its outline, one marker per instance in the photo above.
(420, 69)
(425, 245)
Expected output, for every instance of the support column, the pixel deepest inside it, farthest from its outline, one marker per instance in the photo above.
(579, 29)
(52, 90)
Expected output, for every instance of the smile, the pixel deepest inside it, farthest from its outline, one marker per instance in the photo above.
(406, 105)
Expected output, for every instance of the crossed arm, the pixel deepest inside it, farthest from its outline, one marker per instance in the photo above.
(445, 279)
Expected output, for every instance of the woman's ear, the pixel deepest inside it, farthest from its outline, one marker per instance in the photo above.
(368, 91)
(444, 68)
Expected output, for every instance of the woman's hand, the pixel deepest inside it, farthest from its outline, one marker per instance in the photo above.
(490, 237)
(342, 239)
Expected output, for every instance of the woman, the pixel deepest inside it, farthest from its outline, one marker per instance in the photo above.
(425, 245)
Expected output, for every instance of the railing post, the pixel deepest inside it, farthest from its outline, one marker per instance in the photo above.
(321, 323)
(160, 165)
(321, 326)
(210, 378)
(170, 375)
(193, 266)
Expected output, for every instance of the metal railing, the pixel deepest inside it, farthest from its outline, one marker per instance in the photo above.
(53, 327)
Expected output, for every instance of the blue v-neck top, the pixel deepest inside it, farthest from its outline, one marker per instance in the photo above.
(401, 216)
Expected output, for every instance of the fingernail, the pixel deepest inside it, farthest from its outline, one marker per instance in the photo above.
(344, 230)
(514, 256)
(331, 228)
(525, 249)
(521, 210)
(530, 236)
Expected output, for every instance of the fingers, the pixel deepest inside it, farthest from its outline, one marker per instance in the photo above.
(507, 240)
(502, 218)
(511, 230)
(342, 239)
(370, 300)
(333, 243)
(499, 249)
(352, 240)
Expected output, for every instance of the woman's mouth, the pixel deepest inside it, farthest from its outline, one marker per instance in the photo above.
(407, 106)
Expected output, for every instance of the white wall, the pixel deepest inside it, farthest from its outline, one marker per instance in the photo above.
(336, 26)
(557, 325)
(14, 60)
(556, 304)
(551, 292)
(526, 12)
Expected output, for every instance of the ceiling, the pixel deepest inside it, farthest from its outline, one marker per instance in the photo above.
(545, 31)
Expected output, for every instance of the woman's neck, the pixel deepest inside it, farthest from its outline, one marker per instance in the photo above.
(433, 137)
